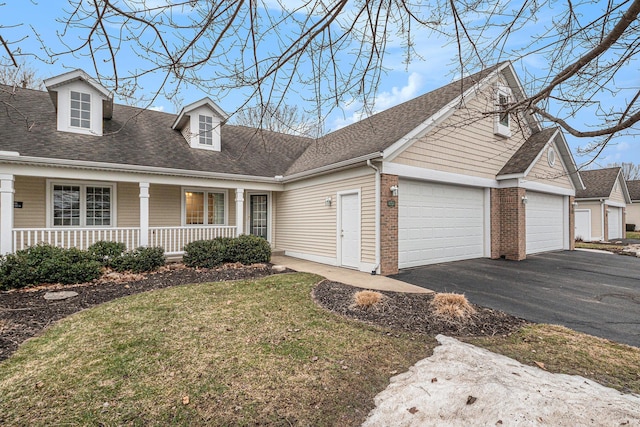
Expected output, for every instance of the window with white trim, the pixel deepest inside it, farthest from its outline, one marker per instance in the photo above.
(80, 112)
(502, 125)
(81, 205)
(204, 207)
(205, 132)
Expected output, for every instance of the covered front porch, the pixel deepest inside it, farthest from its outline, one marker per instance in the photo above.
(69, 212)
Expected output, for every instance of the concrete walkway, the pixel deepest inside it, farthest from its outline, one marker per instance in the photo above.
(348, 276)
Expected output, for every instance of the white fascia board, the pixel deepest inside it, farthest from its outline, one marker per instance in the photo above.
(615, 204)
(399, 146)
(334, 177)
(515, 80)
(46, 164)
(546, 188)
(510, 176)
(413, 172)
(60, 80)
(331, 168)
(178, 123)
(623, 186)
(590, 199)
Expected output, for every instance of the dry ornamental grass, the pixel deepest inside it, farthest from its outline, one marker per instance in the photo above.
(453, 307)
(367, 299)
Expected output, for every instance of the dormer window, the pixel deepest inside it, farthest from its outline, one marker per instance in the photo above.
(205, 130)
(502, 124)
(80, 116)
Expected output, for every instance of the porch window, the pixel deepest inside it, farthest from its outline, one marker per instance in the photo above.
(81, 205)
(204, 207)
(80, 110)
(204, 130)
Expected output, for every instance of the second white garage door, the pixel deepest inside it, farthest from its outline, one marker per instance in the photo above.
(439, 223)
(545, 222)
(614, 222)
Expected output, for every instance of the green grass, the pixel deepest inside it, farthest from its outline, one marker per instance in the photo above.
(244, 353)
(633, 234)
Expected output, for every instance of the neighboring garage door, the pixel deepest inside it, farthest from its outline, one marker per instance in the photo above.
(614, 222)
(545, 222)
(439, 223)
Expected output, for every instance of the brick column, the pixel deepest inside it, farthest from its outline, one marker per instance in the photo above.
(572, 223)
(624, 223)
(388, 225)
(513, 243)
(496, 250)
(605, 215)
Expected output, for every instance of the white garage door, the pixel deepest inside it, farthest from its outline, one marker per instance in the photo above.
(545, 222)
(615, 222)
(439, 223)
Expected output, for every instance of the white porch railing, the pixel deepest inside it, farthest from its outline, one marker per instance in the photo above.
(173, 239)
(80, 238)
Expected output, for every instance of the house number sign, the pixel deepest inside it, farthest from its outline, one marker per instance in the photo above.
(17, 205)
(391, 203)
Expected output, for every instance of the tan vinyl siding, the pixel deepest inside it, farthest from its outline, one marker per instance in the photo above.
(31, 191)
(596, 218)
(306, 225)
(128, 204)
(465, 142)
(633, 214)
(617, 195)
(165, 205)
(231, 204)
(545, 174)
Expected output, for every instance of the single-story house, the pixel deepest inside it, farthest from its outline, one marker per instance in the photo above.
(449, 175)
(633, 210)
(600, 206)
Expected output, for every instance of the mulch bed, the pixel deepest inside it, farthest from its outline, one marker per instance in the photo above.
(413, 313)
(25, 313)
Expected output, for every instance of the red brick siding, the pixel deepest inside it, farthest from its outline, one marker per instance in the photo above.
(572, 223)
(508, 224)
(388, 226)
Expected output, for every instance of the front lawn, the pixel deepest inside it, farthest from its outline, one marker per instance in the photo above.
(633, 235)
(229, 353)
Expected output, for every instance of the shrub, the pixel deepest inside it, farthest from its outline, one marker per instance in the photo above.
(452, 306)
(207, 253)
(44, 263)
(104, 251)
(367, 299)
(139, 260)
(249, 249)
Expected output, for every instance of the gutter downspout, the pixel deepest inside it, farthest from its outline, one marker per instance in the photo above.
(377, 216)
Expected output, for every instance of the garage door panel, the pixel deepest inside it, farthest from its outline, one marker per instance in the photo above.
(545, 222)
(449, 225)
(614, 222)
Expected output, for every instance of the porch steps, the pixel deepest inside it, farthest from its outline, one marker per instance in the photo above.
(277, 252)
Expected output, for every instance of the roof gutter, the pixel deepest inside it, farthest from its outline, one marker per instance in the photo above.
(332, 167)
(114, 167)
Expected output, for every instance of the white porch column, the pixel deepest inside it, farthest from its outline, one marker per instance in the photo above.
(144, 214)
(239, 211)
(6, 214)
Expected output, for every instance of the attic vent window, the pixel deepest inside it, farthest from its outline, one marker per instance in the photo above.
(502, 125)
(205, 130)
(551, 157)
(80, 110)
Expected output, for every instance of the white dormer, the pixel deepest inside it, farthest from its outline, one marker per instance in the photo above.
(200, 124)
(80, 101)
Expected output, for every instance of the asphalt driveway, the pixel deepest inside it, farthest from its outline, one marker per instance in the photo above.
(595, 293)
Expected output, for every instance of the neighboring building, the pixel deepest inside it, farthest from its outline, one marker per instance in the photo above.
(633, 210)
(445, 176)
(600, 209)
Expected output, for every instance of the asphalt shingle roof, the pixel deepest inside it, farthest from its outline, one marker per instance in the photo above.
(598, 183)
(634, 189)
(140, 137)
(527, 153)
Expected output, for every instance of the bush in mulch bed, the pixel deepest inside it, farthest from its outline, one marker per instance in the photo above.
(414, 313)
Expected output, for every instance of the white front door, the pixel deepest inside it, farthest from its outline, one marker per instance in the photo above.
(583, 225)
(349, 230)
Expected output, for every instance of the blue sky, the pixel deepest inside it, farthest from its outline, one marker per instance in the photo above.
(401, 82)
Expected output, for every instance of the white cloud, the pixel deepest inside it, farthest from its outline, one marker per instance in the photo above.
(382, 101)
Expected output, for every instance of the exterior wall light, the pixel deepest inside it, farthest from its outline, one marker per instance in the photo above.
(327, 201)
(394, 190)
(524, 200)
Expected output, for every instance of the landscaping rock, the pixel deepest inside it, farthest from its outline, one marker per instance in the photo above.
(279, 268)
(62, 295)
